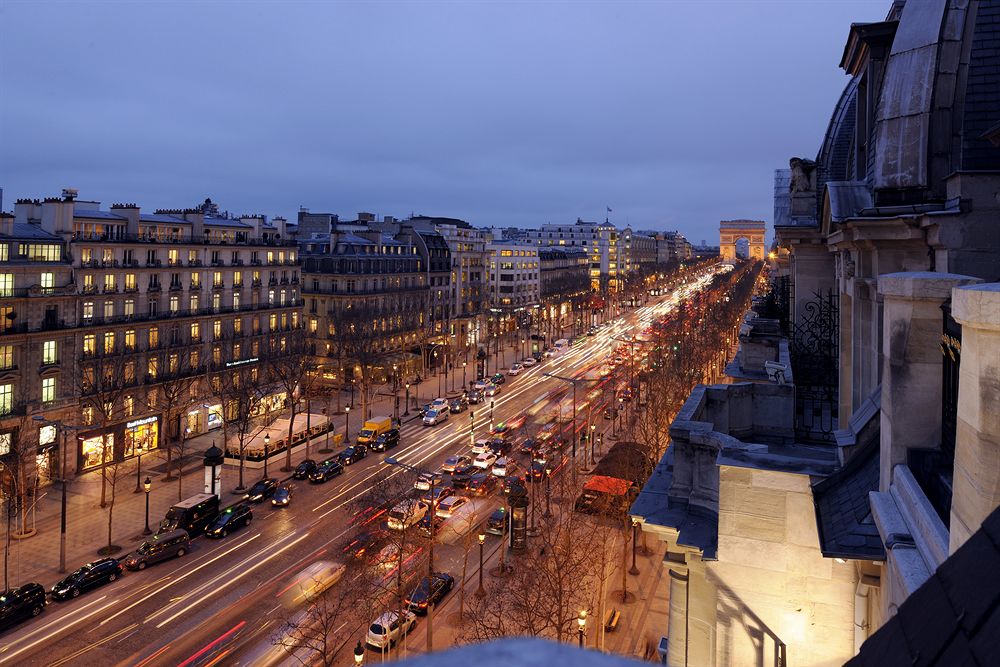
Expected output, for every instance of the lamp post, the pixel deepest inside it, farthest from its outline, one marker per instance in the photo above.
(574, 382)
(472, 427)
(581, 622)
(395, 393)
(634, 570)
(465, 374)
(147, 484)
(406, 404)
(359, 654)
(347, 424)
(63, 429)
(548, 492)
(267, 443)
(593, 428)
(480, 592)
(491, 414)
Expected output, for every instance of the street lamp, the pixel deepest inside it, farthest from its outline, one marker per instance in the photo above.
(465, 377)
(63, 428)
(634, 570)
(581, 621)
(267, 443)
(359, 654)
(472, 427)
(480, 592)
(147, 484)
(593, 428)
(548, 492)
(347, 424)
(395, 392)
(492, 402)
(406, 404)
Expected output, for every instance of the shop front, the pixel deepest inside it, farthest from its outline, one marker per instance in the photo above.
(118, 442)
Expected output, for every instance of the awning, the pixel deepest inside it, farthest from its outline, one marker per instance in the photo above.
(610, 485)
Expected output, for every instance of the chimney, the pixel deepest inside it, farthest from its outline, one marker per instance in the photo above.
(281, 225)
(366, 217)
(197, 219)
(57, 214)
(28, 211)
(130, 211)
(6, 223)
(256, 222)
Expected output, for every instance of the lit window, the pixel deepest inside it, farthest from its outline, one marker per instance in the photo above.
(6, 356)
(109, 342)
(89, 344)
(48, 390)
(49, 352)
(6, 284)
(6, 399)
(48, 280)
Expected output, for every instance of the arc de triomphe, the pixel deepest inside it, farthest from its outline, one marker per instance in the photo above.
(730, 231)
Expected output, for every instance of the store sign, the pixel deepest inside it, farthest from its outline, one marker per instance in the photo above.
(230, 364)
(47, 434)
(141, 422)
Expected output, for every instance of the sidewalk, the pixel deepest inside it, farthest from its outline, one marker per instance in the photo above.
(36, 558)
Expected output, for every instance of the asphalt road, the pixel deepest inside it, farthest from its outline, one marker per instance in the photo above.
(219, 604)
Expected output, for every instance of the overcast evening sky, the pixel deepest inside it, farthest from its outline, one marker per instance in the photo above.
(674, 114)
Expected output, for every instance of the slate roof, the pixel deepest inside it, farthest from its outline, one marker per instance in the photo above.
(226, 222)
(98, 215)
(953, 618)
(843, 515)
(26, 230)
(163, 217)
(848, 199)
(782, 198)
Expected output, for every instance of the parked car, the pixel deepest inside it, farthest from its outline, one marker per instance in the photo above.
(482, 484)
(448, 505)
(430, 591)
(192, 514)
(458, 404)
(261, 489)
(157, 548)
(237, 516)
(528, 362)
(389, 628)
(492, 390)
(538, 356)
(325, 471)
(282, 496)
(485, 460)
(453, 462)
(303, 469)
(498, 378)
(352, 454)
(91, 575)
(497, 523)
(434, 417)
(475, 396)
(20, 603)
(387, 440)
(515, 369)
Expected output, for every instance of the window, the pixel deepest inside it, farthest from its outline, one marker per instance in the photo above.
(87, 415)
(109, 342)
(194, 302)
(152, 367)
(238, 278)
(195, 280)
(48, 390)
(195, 331)
(216, 354)
(194, 359)
(173, 363)
(172, 259)
(129, 307)
(129, 371)
(270, 297)
(217, 279)
(109, 309)
(48, 280)
(46, 434)
(6, 356)
(175, 303)
(130, 282)
(154, 338)
(128, 405)
(236, 300)
(130, 340)
(88, 311)
(238, 325)
(109, 282)
(237, 350)
(89, 344)
(192, 257)
(3, 252)
(49, 352)
(216, 301)
(216, 329)
(6, 284)
(6, 398)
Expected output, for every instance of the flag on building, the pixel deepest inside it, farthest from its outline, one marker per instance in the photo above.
(609, 209)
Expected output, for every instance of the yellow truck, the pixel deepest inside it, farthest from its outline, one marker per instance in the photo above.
(373, 428)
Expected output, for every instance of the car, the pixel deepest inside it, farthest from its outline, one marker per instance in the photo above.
(310, 583)
(20, 603)
(423, 482)
(388, 557)
(608, 413)
(626, 394)
(424, 525)
(282, 496)
(159, 547)
(537, 471)
(439, 494)
(91, 575)
(453, 462)
(406, 514)
(499, 446)
(261, 489)
(458, 404)
(514, 483)
(366, 541)
(476, 396)
(389, 628)
(482, 484)
(463, 468)
(387, 440)
(528, 362)
(448, 505)
(480, 446)
(439, 404)
(325, 471)
(429, 591)
(515, 369)
(492, 390)
(481, 384)
(500, 428)
(485, 460)
(303, 469)
(460, 480)
(498, 378)
(497, 524)
(529, 446)
(352, 454)
(504, 466)
(231, 518)
(434, 417)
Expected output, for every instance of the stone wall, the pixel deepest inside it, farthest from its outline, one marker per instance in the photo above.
(770, 576)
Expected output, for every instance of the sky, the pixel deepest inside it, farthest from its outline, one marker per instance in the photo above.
(673, 114)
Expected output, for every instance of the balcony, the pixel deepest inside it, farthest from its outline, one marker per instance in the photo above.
(130, 288)
(195, 287)
(90, 289)
(155, 287)
(175, 287)
(110, 289)
(194, 262)
(154, 264)
(218, 285)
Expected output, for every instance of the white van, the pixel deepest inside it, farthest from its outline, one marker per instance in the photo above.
(310, 582)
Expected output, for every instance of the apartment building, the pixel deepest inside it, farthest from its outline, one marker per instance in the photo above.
(599, 240)
(101, 297)
(515, 280)
(564, 287)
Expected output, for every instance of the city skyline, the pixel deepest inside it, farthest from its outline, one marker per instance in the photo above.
(370, 109)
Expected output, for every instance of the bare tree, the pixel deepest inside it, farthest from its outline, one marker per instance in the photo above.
(102, 384)
(111, 473)
(293, 366)
(179, 384)
(241, 391)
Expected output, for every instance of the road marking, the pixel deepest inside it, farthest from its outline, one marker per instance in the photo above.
(93, 645)
(137, 602)
(63, 626)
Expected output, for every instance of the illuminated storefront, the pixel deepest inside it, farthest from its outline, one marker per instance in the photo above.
(118, 442)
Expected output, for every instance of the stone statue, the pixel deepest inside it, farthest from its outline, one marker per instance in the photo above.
(803, 175)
